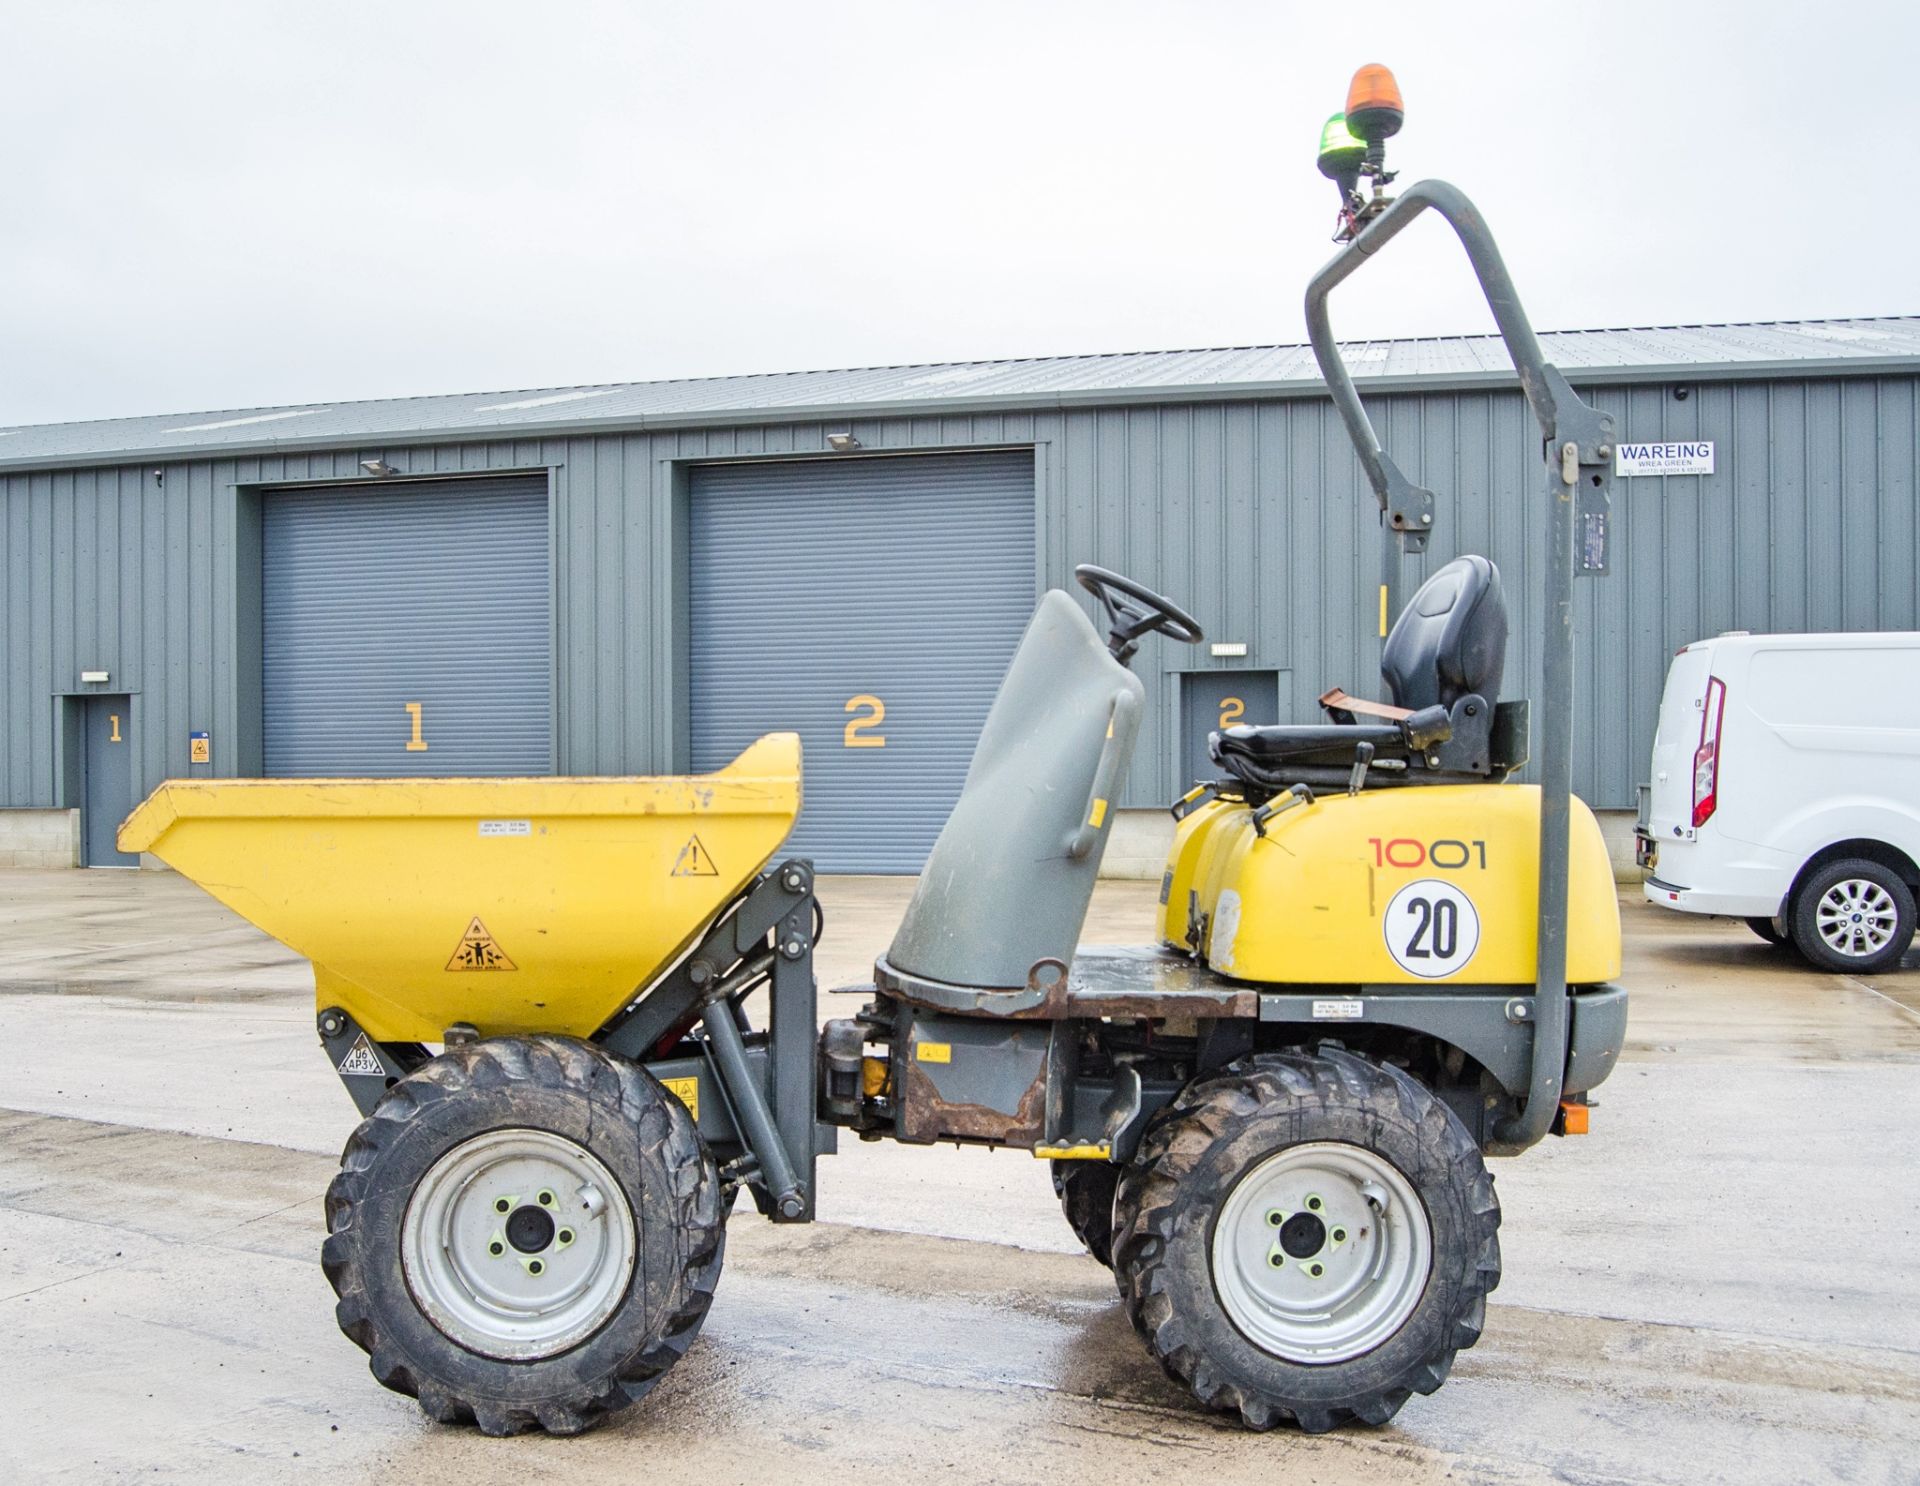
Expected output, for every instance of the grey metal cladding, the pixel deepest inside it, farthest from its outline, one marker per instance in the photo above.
(382, 594)
(1253, 514)
(908, 580)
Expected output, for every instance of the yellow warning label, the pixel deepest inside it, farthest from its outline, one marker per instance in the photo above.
(478, 951)
(933, 1052)
(686, 1090)
(1099, 816)
(693, 861)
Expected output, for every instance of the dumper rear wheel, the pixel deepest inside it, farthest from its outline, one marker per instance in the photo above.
(1307, 1236)
(1085, 1190)
(526, 1233)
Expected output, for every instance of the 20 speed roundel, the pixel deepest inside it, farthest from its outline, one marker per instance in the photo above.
(1431, 928)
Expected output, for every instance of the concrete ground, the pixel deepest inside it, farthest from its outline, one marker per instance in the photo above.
(1719, 1284)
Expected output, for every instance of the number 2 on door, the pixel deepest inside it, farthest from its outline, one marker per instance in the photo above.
(872, 712)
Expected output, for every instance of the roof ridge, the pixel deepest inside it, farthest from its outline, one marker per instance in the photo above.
(318, 405)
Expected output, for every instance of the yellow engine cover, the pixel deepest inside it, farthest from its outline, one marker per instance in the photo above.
(1403, 886)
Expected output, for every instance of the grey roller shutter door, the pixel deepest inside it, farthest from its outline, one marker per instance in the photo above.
(381, 595)
(817, 584)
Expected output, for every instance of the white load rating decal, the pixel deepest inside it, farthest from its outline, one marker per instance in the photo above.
(1431, 928)
(360, 1058)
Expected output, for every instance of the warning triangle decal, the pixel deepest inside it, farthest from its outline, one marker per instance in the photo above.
(693, 861)
(361, 1058)
(479, 951)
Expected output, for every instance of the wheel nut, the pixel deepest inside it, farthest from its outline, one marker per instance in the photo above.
(534, 1266)
(1339, 1235)
(496, 1248)
(546, 1199)
(1315, 1270)
(566, 1235)
(1313, 1204)
(1276, 1218)
(503, 1204)
(1276, 1259)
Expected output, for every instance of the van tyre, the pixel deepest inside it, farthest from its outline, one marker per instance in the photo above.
(1852, 917)
(1085, 1190)
(525, 1234)
(1769, 930)
(1307, 1236)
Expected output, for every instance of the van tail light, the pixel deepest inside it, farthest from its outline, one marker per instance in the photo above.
(1706, 758)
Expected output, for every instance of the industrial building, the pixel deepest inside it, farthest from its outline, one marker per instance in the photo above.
(641, 577)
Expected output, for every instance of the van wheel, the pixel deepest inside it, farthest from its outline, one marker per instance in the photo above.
(1307, 1236)
(1768, 930)
(1852, 917)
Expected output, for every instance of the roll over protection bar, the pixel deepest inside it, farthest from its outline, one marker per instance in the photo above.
(1577, 442)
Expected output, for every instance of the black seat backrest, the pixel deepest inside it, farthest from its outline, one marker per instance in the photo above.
(1451, 640)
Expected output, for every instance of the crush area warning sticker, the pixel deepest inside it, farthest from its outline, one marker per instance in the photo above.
(478, 950)
(686, 1090)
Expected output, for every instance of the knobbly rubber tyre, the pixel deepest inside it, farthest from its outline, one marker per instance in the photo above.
(1085, 1190)
(1877, 888)
(1229, 1126)
(636, 1131)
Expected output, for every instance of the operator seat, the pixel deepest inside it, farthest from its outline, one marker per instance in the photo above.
(1442, 665)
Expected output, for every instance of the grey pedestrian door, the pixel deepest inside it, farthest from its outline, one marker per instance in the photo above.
(870, 605)
(106, 792)
(1214, 700)
(406, 629)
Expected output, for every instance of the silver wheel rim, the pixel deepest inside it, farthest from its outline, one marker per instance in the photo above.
(1856, 917)
(1321, 1252)
(518, 1244)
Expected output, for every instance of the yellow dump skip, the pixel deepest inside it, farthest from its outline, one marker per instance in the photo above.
(520, 905)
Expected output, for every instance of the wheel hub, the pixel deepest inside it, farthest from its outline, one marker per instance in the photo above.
(1302, 1235)
(1321, 1252)
(530, 1229)
(518, 1244)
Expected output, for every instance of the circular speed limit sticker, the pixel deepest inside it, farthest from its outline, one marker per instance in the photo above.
(1431, 928)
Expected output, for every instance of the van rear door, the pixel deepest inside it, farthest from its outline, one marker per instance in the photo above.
(1676, 736)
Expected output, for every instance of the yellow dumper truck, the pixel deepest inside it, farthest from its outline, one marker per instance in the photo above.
(1378, 959)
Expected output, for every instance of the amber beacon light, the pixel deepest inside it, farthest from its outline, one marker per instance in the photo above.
(1374, 109)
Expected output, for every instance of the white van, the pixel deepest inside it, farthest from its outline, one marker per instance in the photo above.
(1786, 791)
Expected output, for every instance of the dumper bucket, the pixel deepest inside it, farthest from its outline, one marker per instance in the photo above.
(519, 905)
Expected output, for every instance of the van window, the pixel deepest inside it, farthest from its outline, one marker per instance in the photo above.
(1836, 687)
(1679, 724)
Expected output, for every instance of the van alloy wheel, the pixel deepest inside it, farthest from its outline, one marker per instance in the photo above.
(1856, 917)
(1852, 917)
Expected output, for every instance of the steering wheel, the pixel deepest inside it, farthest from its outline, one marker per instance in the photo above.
(1134, 610)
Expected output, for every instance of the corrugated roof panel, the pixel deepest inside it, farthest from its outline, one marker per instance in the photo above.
(1892, 341)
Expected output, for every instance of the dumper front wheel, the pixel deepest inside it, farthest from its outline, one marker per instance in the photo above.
(1307, 1236)
(526, 1233)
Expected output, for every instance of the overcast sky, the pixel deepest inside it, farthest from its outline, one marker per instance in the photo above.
(213, 206)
